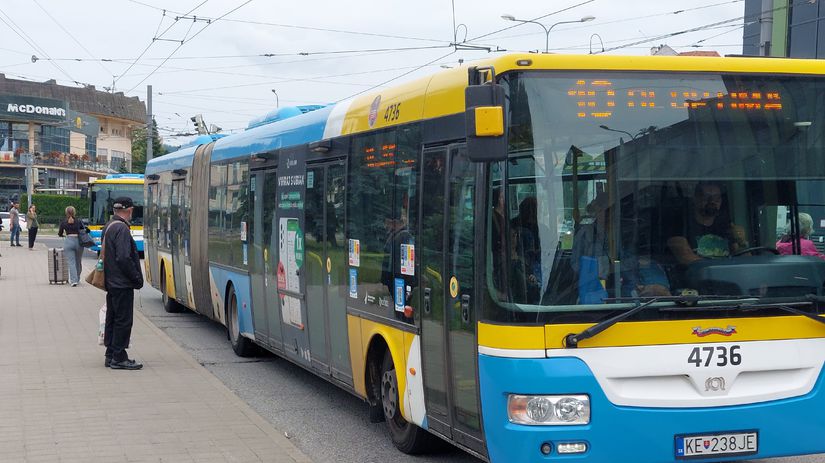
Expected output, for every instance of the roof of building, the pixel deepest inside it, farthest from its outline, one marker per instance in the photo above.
(86, 100)
(700, 53)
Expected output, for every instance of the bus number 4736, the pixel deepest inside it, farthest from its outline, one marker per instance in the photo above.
(703, 356)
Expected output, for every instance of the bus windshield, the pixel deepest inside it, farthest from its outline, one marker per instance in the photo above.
(625, 186)
(103, 195)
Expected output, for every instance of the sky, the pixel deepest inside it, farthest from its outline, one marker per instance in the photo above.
(209, 56)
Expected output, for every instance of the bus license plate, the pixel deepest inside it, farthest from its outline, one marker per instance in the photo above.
(713, 444)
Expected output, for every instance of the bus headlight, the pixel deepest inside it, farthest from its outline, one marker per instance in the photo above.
(550, 410)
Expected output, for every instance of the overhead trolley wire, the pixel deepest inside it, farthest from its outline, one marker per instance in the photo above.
(22, 34)
(294, 26)
(154, 39)
(696, 29)
(534, 19)
(300, 79)
(187, 40)
(109, 71)
(399, 76)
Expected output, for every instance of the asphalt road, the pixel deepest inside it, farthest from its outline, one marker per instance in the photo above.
(325, 422)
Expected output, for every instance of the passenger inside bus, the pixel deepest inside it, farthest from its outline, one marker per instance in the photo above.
(806, 246)
(526, 253)
(641, 274)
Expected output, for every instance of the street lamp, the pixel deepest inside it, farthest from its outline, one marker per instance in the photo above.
(277, 104)
(509, 17)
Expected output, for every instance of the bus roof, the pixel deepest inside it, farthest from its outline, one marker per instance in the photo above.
(118, 181)
(442, 94)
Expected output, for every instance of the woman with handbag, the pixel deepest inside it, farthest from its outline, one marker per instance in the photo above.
(33, 224)
(70, 227)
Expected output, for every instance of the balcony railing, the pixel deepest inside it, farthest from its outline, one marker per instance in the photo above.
(57, 160)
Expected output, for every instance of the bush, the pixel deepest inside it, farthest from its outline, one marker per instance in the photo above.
(51, 209)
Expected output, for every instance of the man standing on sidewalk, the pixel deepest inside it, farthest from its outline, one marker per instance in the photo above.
(121, 265)
(14, 224)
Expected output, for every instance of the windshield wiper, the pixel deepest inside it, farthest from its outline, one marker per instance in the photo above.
(683, 299)
(787, 308)
(573, 340)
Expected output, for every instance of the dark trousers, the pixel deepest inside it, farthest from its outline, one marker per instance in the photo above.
(119, 317)
(32, 236)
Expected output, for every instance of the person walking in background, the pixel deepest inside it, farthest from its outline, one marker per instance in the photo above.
(122, 276)
(69, 228)
(33, 224)
(14, 224)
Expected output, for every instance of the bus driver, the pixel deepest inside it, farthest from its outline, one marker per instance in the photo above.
(706, 233)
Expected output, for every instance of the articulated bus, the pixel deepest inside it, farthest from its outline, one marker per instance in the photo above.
(535, 257)
(102, 195)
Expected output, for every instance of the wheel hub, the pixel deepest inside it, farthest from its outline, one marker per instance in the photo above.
(389, 394)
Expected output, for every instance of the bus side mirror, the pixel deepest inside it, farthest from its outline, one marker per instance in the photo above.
(485, 122)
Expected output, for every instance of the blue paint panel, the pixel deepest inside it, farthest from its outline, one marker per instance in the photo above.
(240, 281)
(95, 234)
(296, 130)
(632, 434)
(180, 159)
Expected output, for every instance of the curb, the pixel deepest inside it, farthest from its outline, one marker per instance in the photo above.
(256, 419)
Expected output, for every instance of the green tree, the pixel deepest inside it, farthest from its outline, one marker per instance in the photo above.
(139, 147)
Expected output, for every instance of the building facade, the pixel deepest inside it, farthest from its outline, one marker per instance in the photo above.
(65, 135)
(794, 29)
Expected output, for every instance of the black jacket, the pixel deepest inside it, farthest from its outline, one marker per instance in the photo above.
(121, 262)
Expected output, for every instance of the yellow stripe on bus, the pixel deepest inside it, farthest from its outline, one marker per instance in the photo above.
(511, 337)
(652, 333)
(691, 331)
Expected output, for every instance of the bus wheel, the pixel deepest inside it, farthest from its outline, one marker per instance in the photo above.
(242, 346)
(406, 436)
(169, 305)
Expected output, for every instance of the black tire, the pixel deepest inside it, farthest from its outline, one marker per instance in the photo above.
(169, 305)
(407, 437)
(242, 346)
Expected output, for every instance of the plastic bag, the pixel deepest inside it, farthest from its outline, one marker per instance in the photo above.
(102, 329)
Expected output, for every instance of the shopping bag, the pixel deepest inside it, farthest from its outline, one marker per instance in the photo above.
(102, 329)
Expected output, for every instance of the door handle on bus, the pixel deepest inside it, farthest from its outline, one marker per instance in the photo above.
(427, 300)
(465, 308)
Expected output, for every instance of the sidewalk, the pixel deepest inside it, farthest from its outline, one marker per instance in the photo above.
(59, 404)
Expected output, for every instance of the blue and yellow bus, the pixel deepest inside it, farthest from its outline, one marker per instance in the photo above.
(534, 257)
(102, 194)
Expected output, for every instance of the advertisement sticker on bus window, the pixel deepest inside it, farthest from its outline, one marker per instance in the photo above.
(353, 283)
(408, 259)
(399, 295)
(355, 253)
(243, 231)
(245, 255)
(291, 242)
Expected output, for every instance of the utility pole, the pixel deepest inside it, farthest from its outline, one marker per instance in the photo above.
(150, 128)
(29, 159)
(766, 28)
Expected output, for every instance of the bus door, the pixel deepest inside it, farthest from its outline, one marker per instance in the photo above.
(178, 227)
(150, 230)
(326, 270)
(448, 325)
(265, 309)
(291, 276)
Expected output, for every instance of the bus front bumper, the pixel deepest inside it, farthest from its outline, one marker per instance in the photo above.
(618, 434)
